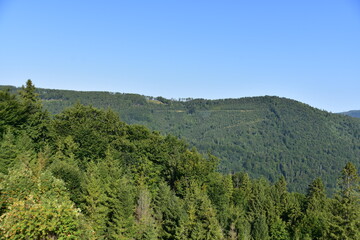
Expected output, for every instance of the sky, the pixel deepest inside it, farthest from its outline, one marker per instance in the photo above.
(307, 50)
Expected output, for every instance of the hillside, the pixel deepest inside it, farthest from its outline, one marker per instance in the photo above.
(85, 174)
(265, 136)
(353, 113)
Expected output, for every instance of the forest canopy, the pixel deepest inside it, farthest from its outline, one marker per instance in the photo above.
(264, 136)
(85, 174)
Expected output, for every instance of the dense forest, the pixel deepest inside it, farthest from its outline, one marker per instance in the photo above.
(265, 136)
(85, 174)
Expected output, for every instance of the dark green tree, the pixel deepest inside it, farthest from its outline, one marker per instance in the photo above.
(121, 195)
(90, 128)
(169, 211)
(346, 206)
(315, 224)
(12, 112)
(8, 153)
(95, 201)
(260, 229)
(201, 222)
(220, 192)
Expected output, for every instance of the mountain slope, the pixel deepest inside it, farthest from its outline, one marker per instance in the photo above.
(353, 113)
(266, 136)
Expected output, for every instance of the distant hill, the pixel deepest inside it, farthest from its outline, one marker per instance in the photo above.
(353, 113)
(265, 136)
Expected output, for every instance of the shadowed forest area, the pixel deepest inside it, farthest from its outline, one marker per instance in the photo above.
(85, 174)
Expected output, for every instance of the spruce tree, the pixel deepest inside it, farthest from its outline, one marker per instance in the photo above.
(346, 206)
(201, 222)
(315, 223)
(95, 199)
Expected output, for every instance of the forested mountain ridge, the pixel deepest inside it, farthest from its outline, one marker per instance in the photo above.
(352, 113)
(84, 174)
(265, 136)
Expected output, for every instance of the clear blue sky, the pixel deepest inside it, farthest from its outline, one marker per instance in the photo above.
(308, 50)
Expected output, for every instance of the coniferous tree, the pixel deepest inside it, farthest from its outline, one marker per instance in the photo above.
(8, 152)
(64, 166)
(12, 112)
(95, 199)
(242, 194)
(37, 124)
(242, 189)
(315, 223)
(91, 176)
(220, 191)
(147, 227)
(260, 230)
(120, 194)
(201, 222)
(169, 211)
(346, 206)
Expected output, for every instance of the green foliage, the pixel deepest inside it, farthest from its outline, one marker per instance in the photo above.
(120, 194)
(169, 211)
(95, 201)
(41, 218)
(346, 206)
(72, 176)
(8, 152)
(12, 112)
(201, 222)
(24, 112)
(90, 128)
(30, 97)
(37, 206)
(265, 136)
(260, 229)
(220, 192)
(278, 230)
(146, 224)
(84, 174)
(315, 224)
